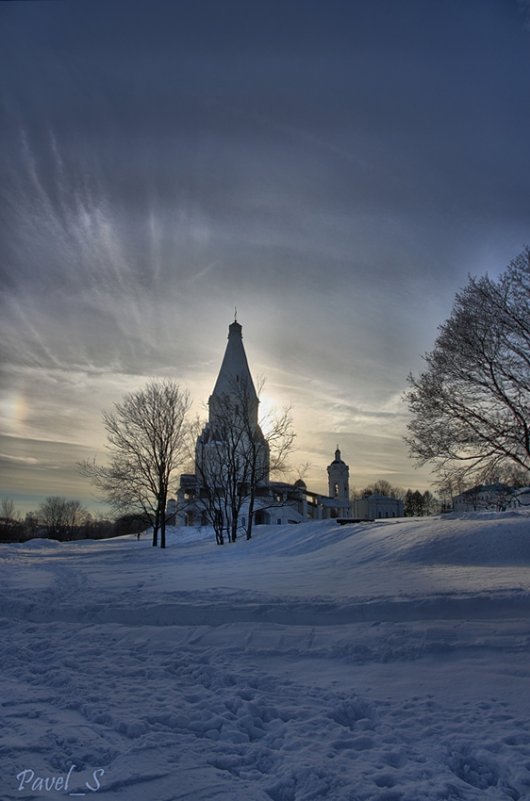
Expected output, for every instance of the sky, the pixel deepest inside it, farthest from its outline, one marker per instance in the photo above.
(335, 170)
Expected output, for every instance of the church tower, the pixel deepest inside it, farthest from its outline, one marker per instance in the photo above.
(232, 433)
(339, 484)
(234, 386)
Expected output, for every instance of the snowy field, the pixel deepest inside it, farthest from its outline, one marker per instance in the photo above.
(377, 662)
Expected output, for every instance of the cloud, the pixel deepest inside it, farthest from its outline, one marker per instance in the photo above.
(335, 177)
(6, 457)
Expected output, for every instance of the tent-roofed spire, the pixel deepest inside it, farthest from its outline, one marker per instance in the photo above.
(235, 373)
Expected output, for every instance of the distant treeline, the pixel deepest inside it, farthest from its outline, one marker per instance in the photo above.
(63, 520)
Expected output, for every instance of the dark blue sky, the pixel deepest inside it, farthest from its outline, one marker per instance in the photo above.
(334, 169)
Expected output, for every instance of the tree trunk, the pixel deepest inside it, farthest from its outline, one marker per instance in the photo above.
(156, 526)
(232, 531)
(250, 512)
(162, 513)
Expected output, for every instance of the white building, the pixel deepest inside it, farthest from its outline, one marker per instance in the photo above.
(222, 450)
(482, 497)
(339, 486)
(377, 507)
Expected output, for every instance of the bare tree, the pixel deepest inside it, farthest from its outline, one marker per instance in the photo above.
(471, 407)
(75, 517)
(147, 441)
(51, 514)
(380, 487)
(7, 508)
(61, 517)
(221, 471)
(302, 470)
(11, 528)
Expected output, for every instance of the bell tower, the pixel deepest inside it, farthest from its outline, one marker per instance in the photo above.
(339, 484)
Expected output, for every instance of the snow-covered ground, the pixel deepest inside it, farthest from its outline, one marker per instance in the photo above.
(377, 662)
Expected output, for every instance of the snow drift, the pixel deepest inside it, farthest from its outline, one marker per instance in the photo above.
(382, 661)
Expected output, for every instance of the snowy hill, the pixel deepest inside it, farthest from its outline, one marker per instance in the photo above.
(383, 661)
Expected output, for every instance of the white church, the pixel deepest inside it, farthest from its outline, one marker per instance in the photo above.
(275, 502)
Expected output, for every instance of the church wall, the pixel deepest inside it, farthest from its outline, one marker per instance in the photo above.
(377, 507)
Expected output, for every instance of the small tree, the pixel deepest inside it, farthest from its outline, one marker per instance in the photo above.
(419, 504)
(410, 503)
(471, 407)
(431, 504)
(147, 441)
